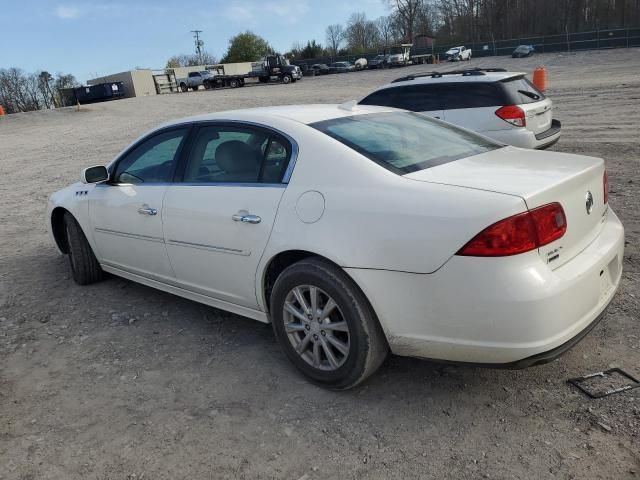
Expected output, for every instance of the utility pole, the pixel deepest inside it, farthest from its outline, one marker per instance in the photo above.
(198, 43)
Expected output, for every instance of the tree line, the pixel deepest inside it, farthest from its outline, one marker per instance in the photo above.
(24, 92)
(453, 21)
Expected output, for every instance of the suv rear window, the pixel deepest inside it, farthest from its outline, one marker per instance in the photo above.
(404, 142)
(520, 90)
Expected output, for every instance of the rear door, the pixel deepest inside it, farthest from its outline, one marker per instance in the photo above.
(219, 214)
(423, 98)
(537, 108)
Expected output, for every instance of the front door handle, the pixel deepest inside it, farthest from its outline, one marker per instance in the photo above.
(246, 218)
(146, 210)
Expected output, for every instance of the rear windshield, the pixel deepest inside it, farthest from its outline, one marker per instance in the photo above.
(404, 142)
(520, 90)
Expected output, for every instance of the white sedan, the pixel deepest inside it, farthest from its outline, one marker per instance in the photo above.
(355, 230)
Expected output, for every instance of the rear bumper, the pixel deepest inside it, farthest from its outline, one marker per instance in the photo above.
(496, 311)
(523, 138)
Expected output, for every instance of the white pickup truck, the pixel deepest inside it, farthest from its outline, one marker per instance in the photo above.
(457, 54)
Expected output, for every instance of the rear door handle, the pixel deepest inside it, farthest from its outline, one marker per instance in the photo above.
(246, 218)
(146, 210)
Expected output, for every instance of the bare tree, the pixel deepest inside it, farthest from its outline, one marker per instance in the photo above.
(335, 37)
(44, 86)
(361, 34)
(406, 12)
(191, 60)
(385, 30)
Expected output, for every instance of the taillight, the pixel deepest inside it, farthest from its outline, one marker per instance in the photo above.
(605, 186)
(512, 114)
(519, 234)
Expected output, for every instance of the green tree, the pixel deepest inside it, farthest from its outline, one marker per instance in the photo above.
(246, 47)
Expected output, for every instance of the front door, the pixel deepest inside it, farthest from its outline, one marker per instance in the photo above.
(218, 220)
(126, 212)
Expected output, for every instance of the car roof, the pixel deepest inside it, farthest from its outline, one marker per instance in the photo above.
(305, 114)
(487, 77)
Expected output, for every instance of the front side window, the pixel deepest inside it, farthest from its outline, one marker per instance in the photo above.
(404, 142)
(229, 154)
(153, 160)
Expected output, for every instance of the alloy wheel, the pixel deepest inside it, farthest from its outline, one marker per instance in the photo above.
(316, 327)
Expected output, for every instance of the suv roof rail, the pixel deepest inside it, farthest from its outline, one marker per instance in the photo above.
(465, 73)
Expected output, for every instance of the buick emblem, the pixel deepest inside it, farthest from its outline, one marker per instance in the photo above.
(589, 202)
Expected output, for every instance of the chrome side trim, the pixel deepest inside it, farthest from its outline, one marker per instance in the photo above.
(196, 184)
(130, 235)
(214, 248)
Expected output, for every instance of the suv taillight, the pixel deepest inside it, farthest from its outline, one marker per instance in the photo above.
(519, 234)
(512, 114)
(605, 187)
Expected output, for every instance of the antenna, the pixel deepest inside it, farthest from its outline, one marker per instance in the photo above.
(198, 43)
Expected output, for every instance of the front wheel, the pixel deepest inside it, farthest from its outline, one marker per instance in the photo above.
(286, 79)
(84, 265)
(325, 325)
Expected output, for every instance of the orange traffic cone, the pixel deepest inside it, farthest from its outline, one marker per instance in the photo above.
(2, 112)
(540, 78)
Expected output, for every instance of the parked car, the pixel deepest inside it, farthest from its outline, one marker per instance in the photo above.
(523, 51)
(321, 68)
(341, 67)
(306, 70)
(502, 105)
(193, 80)
(458, 54)
(360, 64)
(354, 231)
(379, 61)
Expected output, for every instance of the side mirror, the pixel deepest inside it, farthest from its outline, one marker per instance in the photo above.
(94, 174)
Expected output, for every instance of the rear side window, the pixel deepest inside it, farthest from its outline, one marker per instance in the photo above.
(404, 142)
(439, 96)
(415, 98)
(472, 95)
(520, 90)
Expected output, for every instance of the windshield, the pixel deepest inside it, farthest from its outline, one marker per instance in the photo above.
(522, 49)
(404, 142)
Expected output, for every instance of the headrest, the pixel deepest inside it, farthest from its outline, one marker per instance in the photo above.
(235, 156)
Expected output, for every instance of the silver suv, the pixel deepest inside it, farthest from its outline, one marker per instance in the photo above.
(501, 105)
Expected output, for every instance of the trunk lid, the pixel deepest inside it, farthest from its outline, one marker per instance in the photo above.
(538, 178)
(537, 108)
(538, 115)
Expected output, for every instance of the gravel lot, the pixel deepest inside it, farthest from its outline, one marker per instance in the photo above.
(119, 381)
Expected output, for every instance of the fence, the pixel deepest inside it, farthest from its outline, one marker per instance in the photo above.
(569, 42)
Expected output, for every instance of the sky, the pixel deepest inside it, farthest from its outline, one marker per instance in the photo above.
(91, 38)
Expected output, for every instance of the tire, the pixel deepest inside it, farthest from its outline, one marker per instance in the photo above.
(286, 79)
(84, 265)
(183, 87)
(364, 341)
(233, 83)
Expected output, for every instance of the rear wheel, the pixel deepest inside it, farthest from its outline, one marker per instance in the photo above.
(234, 83)
(183, 87)
(325, 325)
(84, 265)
